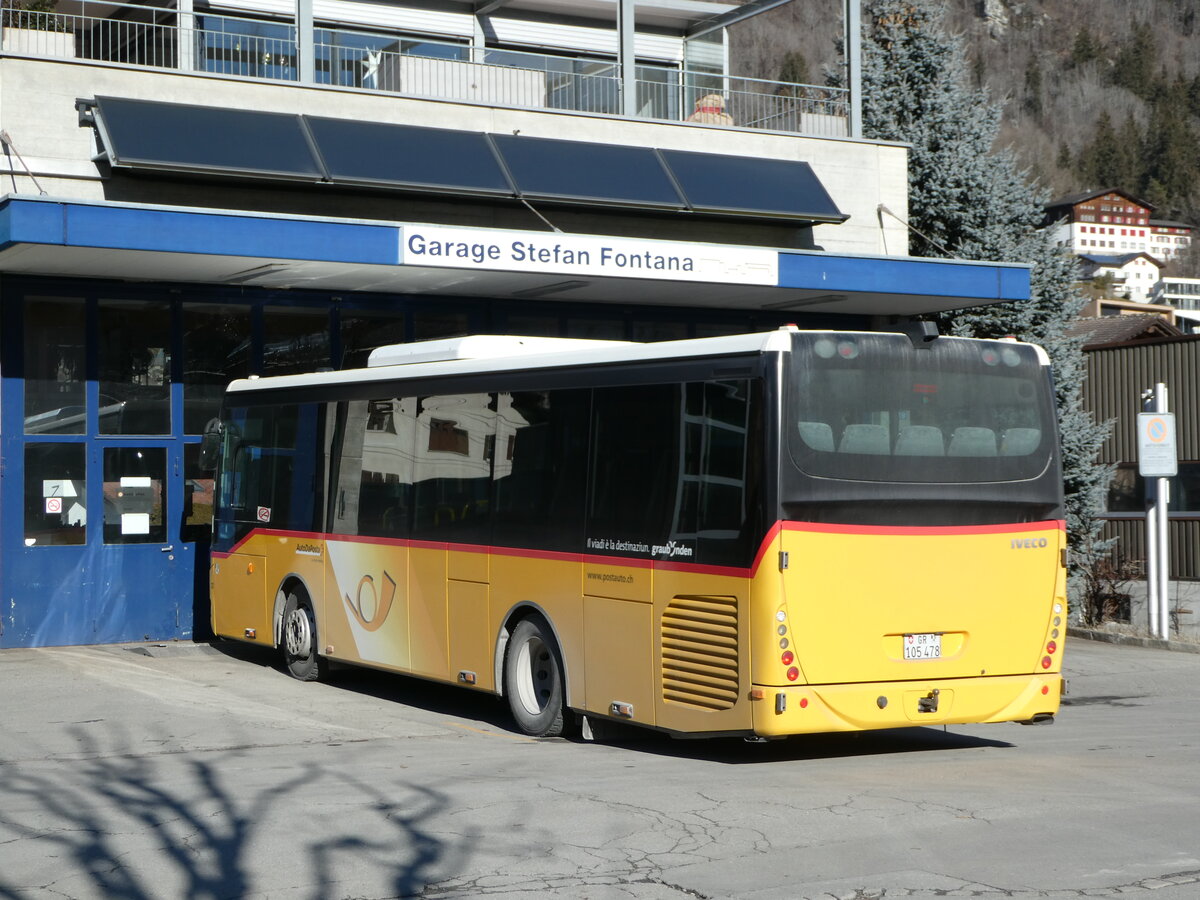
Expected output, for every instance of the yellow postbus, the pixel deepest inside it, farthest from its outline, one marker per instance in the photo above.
(757, 535)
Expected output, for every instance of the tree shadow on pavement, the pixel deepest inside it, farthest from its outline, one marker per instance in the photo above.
(208, 824)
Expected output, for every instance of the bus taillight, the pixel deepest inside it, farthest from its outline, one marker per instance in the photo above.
(793, 673)
(787, 657)
(1046, 661)
(1051, 647)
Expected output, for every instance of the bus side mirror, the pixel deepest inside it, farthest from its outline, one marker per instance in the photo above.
(210, 446)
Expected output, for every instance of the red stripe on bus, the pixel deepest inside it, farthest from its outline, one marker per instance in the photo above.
(660, 565)
(772, 533)
(1010, 528)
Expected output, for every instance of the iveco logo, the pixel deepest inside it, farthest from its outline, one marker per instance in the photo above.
(1027, 543)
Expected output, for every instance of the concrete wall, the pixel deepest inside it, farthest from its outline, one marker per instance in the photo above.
(1183, 605)
(37, 108)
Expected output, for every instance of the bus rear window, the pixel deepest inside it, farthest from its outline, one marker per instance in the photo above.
(873, 408)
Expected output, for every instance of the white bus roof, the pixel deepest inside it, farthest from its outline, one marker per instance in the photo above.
(498, 353)
(478, 346)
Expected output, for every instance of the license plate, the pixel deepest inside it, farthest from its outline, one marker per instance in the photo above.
(922, 646)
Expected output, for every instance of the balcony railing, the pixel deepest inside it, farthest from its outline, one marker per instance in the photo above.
(163, 38)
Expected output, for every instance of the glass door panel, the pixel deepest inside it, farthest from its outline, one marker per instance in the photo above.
(295, 339)
(216, 350)
(55, 356)
(134, 484)
(135, 367)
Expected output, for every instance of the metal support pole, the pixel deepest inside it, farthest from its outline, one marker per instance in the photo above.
(627, 58)
(853, 39)
(305, 56)
(1152, 566)
(1150, 405)
(185, 39)
(1164, 544)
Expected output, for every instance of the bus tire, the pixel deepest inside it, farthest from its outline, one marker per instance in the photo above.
(533, 679)
(299, 638)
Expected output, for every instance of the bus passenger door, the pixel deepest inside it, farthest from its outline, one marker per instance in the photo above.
(367, 591)
(454, 448)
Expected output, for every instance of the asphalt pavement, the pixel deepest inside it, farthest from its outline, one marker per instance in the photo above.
(181, 770)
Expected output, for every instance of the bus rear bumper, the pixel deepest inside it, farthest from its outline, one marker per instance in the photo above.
(809, 709)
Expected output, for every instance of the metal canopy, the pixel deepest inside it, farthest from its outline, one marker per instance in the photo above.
(47, 236)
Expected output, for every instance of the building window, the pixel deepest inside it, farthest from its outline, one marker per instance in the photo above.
(232, 46)
(295, 339)
(445, 436)
(216, 350)
(135, 367)
(1127, 493)
(55, 494)
(55, 351)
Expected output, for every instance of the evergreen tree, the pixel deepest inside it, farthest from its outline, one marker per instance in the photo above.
(1064, 155)
(1085, 48)
(969, 200)
(1102, 161)
(1136, 62)
(1170, 154)
(794, 69)
(1033, 89)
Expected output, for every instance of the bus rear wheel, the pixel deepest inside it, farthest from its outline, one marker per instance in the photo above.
(533, 681)
(300, 638)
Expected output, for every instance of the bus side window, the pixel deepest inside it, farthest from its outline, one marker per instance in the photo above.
(375, 468)
(635, 459)
(540, 469)
(718, 477)
(455, 441)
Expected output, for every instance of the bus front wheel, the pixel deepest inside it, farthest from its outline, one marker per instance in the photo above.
(300, 638)
(533, 681)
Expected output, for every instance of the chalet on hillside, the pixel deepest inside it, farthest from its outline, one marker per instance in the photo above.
(1112, 221)
(1133, 275)
(1168, 240)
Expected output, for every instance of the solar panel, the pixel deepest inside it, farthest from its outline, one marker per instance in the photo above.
(576, 171)
(745, 185)
(434, 159)
(181, 137)
(185, 138)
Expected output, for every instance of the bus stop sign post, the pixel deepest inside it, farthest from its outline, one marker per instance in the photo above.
(1157, 459)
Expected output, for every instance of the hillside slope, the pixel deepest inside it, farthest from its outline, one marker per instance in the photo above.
(1095, 94)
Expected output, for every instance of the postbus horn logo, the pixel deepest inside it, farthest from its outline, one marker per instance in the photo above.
(372, 609)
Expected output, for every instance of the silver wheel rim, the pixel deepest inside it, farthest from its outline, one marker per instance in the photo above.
(298, 633)
(535, 676)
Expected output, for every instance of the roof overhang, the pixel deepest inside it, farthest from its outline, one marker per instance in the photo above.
(48, 236)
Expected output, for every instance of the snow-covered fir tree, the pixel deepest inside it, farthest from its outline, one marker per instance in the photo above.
(969, 200)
